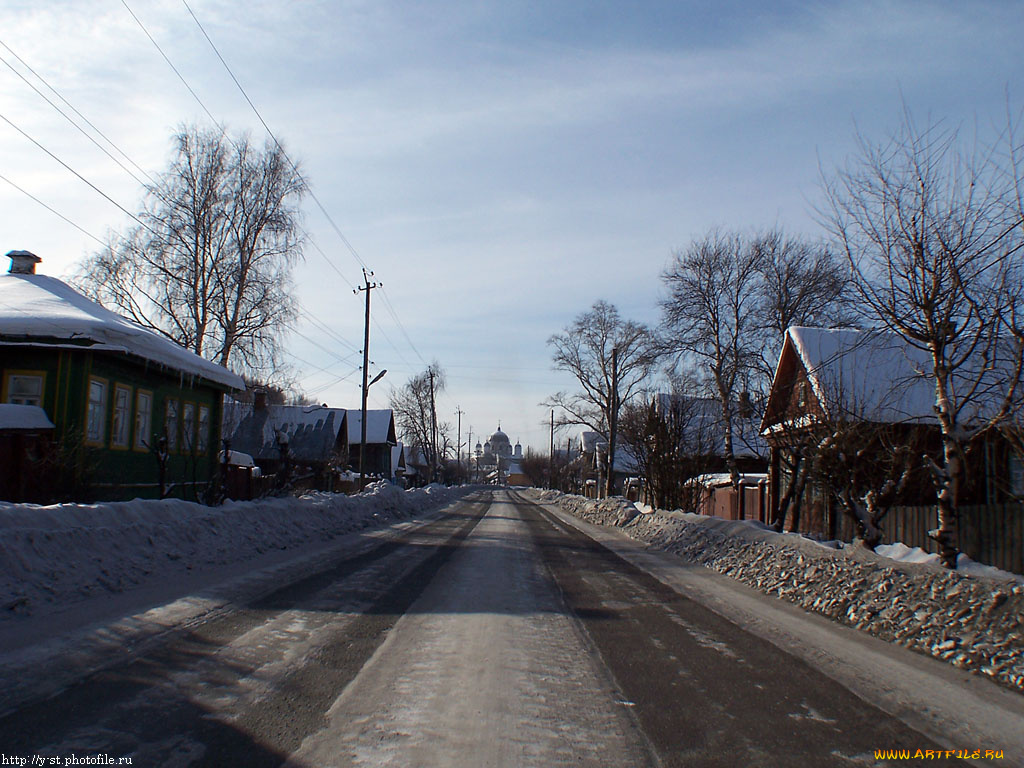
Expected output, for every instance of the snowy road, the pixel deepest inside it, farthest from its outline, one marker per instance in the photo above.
(497, 634)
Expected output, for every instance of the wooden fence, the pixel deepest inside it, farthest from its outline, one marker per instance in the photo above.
(991, 534)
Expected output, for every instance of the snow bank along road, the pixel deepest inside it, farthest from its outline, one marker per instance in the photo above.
(500, 632)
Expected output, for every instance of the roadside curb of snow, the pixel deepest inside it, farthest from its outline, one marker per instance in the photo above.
(62, 652)
(972, 622)
(59, 555)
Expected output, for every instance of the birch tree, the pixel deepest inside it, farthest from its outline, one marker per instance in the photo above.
(209, 265)
(933, 239)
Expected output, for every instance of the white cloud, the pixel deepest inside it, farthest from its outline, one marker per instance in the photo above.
(487, 166)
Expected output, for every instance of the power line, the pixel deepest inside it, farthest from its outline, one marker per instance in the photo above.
(312, 194)
(171, 65)
(394, 346)
(53, 211)
(331, 263)
(394, 315)
(334, 382)
(322, 348)
(325, 369)
(80, 176)
(319, 324)
(67, 117)
(266, 127)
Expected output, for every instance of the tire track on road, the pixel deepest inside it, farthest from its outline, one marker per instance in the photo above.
(162, 706)
(705, 691)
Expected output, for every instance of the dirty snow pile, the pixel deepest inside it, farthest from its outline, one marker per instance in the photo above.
(58, 555)
(971, 620)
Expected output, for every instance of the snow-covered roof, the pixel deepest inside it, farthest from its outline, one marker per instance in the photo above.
(589, 441)
(398, 458)
(314, 432)
(42, 310)
(23, 417)
(719, 479)
(870, 375)
(237, 458)
(380, 427)
(704, 426)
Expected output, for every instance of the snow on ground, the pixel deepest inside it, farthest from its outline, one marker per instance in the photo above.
(55, 556)
(83, 585)
(971, 617)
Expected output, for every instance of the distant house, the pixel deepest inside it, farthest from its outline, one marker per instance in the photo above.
(717, 497)
(705, 431)
(588, 466)
(398, 466)
(704, 436)
(380, 439)
(313, 440)
(417, 468)
(116, 393)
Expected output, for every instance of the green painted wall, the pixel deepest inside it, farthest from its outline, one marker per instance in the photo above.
(105, 469)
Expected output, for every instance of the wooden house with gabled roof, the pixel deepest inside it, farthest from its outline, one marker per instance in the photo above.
(827, 376)
(119, 395)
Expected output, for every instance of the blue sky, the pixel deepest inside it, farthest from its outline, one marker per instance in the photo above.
(499, 165)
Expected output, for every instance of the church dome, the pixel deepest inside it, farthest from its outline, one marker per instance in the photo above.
(500, 444)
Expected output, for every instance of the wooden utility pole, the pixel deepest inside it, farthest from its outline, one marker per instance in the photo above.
(366, 371)
(433, 428)
(551, 453)
(458, 436)
(613, 424)
(568, 456)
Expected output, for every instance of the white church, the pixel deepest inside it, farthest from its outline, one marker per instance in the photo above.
(497, 462)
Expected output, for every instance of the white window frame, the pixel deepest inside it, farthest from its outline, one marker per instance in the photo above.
(28, 399)
(120, 424)
(188, 426)
(96, 411)
(143, 419)
(203, 438)
(171, 423)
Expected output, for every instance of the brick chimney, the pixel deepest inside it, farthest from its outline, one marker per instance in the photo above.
(23, 263)
(259, 400)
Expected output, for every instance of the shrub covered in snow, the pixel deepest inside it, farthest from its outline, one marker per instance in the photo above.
(972, 621)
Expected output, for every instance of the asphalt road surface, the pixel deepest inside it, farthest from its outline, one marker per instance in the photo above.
(494, 634)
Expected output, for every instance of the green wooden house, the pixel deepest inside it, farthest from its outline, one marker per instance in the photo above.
(120, 395)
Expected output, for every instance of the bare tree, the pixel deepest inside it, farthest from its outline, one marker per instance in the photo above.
(804, 283)
(416, 416)
(933, 241)
(610, 358)
(536, 467)
(711, 318)
(210, 264)
(867, 468)
(673, 443)
(801, 283)
(795, 449)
